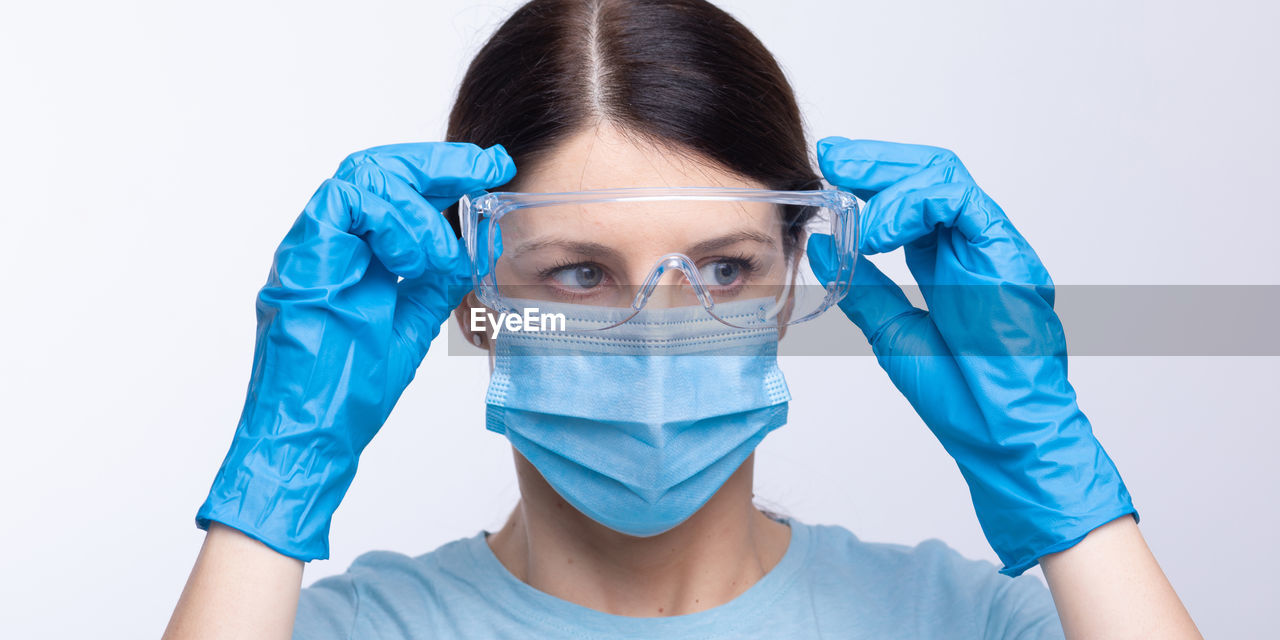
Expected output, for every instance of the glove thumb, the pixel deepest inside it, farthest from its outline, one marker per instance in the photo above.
(874, 301)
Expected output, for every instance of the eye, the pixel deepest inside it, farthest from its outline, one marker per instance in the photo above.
(720, 273)
(579, 276)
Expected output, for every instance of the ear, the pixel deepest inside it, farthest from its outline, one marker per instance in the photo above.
(463, 315)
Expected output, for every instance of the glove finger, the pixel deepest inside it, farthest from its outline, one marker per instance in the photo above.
(439, 171)
(393, 236)
(438, 168)
(910, 191)
(982, 240)
(922, 259)
(867, 167)
(914, 207)
(422, 305)
(873, 302)
(412, 227)
(912, 353)
(420, 179)
(337, 225)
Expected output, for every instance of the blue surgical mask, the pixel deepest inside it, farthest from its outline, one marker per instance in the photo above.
(637, 426)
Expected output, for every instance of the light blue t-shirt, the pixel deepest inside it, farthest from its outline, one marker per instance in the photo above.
(828, 584)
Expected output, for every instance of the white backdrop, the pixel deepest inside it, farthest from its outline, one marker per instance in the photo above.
(154, 153)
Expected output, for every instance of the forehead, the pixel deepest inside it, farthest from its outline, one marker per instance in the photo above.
(604, 157)
(662, 226)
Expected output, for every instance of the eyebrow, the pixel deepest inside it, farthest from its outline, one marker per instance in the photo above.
(592, 249)
(732, 239)
(597, 250)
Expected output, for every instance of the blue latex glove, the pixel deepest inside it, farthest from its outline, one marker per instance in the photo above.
(340, 336)
(986, 365)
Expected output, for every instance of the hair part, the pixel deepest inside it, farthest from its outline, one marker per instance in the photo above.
(682, 75)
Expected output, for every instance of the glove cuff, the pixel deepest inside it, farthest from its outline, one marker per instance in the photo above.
(290, 514)
(1050, 505)
(1015, 569)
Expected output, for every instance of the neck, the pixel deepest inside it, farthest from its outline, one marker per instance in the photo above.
(706, 561)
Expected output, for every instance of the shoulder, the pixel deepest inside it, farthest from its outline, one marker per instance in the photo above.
(926, 558)
(932, 580)
(931, 559)
(383, 588)
(394, 572)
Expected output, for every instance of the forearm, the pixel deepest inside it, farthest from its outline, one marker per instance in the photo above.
(239, 588)
(1110, 586)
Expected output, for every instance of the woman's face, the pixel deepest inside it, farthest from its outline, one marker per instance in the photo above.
(601, 253)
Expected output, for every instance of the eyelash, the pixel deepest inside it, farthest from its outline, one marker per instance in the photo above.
(561, 265)
(748, 264)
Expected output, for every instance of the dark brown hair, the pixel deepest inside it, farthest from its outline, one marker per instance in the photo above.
(682, 74)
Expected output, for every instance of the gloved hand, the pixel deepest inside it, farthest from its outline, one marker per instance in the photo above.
(986, 365)
(340, 336)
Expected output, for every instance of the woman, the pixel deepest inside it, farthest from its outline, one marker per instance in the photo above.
(590, 94)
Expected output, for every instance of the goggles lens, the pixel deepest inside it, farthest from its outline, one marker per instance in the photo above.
(662, 248)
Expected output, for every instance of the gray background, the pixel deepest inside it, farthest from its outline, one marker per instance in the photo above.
(155, 154)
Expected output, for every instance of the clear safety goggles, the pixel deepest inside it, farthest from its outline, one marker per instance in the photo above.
(626, 249)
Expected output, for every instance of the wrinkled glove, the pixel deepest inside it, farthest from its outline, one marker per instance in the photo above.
(340, 335)
(986, 365)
